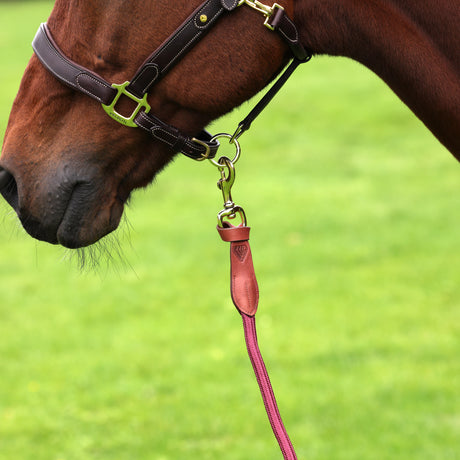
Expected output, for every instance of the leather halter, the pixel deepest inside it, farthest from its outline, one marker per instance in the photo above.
(201, 146)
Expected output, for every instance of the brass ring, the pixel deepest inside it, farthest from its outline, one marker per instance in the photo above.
(232, 140)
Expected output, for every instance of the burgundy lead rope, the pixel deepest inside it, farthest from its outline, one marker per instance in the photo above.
(245, 296)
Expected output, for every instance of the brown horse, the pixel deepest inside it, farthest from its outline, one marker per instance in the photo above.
(68, 169)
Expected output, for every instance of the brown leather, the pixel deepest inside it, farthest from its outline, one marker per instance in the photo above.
(244, 288)
(232, 234)
(68, 72)
(179, 43)
(175, 139)
(281, 22)
(229, 5)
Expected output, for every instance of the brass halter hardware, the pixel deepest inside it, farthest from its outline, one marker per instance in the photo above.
(142, 104)
(226, 167)
(266, 10)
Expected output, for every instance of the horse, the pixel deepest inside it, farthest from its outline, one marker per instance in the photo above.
(68, 170)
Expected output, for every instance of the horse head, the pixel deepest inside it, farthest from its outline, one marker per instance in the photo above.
(67, 168)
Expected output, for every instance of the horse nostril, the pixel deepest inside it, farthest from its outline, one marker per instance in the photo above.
(8, 188)
(4, 178)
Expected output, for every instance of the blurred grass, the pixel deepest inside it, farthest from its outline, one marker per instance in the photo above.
(355, 215)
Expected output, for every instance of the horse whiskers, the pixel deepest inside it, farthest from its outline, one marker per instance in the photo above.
(106, 253)
(9, 216)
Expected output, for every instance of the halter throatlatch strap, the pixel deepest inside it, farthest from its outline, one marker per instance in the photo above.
(245, 295)
(245, 124)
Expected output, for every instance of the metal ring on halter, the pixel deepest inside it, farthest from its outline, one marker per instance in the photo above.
(232, 140)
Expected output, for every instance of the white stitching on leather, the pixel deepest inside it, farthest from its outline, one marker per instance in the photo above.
(233, 5)
(144, 117)
(144, 89)
(208, 23)
(92, 78)
(68, 64)
(292, 40)
(162, 139)
(157, 128)
(184, 48)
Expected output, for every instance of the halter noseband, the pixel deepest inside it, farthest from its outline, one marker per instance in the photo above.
(158, 64)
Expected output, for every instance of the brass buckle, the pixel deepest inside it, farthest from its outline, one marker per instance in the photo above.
(141, 104)
(272, 11)
(266, 10)
(207, 153)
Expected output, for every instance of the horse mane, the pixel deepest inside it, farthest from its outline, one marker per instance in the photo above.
(404, 42)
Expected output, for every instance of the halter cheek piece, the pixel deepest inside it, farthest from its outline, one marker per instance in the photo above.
(194, 28)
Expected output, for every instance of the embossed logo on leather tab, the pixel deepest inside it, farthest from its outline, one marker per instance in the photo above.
(240, 251)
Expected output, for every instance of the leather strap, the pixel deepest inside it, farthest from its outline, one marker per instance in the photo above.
(266, 389)
(281, 23)
(68, 72)
(245, 124)
(199, 147)
(244, 288)
(178, 44)
(245, 295)
(193, 29)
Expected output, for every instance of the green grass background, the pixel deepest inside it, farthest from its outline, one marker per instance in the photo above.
(355, 215)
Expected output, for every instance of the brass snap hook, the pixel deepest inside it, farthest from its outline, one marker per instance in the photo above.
(226, 168)
(230, 210)
(226, 182)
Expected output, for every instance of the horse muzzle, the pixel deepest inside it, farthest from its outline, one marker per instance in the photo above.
(73, 213)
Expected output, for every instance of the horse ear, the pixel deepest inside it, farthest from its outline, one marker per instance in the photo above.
(229, 5)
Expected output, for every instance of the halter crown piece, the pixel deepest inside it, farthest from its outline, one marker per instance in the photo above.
(244, 289)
